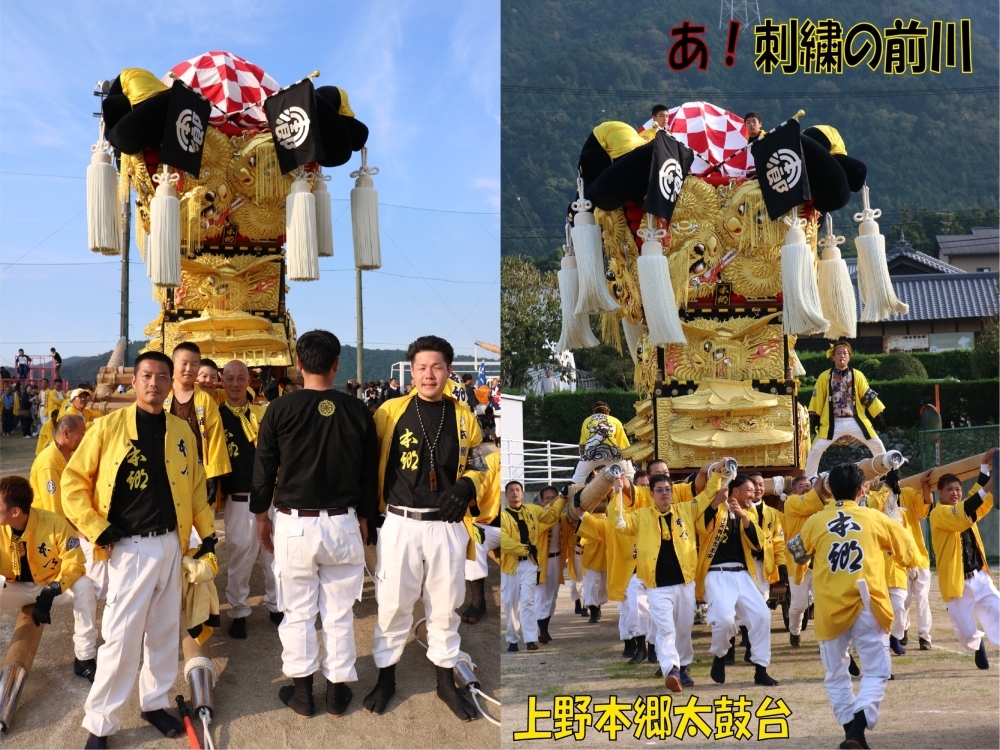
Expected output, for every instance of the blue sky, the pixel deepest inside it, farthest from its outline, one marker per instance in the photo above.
(425, 78)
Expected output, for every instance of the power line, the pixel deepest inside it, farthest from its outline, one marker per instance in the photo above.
(46, 238)
(523, 209)
(567, 91)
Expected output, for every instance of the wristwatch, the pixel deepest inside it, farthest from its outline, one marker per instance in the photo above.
(54, 587)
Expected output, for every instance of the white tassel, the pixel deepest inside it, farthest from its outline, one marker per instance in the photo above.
(301, 247)
(594, 296)
(633, 333)
(165, 231)
(658, 303)
(836, 293)
(795, 365)
(364, 217)
(103, 221)
(878, 299)
(149, 261)
(576, 332)
(803, 314)
(324, 216)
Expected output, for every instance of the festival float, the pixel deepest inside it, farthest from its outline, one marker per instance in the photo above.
(226, 170)
(712, 265)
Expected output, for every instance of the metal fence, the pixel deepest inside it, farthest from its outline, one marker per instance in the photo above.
(545, 462)
(939, 447)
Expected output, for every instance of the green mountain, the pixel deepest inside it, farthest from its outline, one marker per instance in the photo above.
(930, 141)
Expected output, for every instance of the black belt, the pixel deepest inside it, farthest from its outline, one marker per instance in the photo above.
(970, 575)
(416, 515)
(729, 569)
(239, 497)
(314, 513)
(153, 533)
(554, 554)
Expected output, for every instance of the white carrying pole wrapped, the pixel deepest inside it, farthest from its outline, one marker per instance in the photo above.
(364, 217)
(593, 296)
(878, 299)
(836, 293)
(803, 314)
(658, 303)
(165, 231)
(576, 332)
(301, 250)
(324, 216)
(103, 219)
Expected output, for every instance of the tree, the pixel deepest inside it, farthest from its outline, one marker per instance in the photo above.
(530, 319)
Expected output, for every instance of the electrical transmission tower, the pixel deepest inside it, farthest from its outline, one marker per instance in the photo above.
(744, 11)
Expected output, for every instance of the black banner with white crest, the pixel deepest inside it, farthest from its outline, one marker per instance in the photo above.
(781, 169)
(184, 131)
(291, 113)
(669, 166)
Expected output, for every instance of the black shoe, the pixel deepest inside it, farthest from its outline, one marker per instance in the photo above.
(477, 607)
(744, 636)
(169, 726)
(925, 645)
(981, 660)
(543, 631)
(471, 615)
(906, 637)
(895, 646)
(658, 672)
(532, 646)
(718, 672)
(276, 617)
(761, 677)
(86, 668)
(746, 655)
(856, 732)
(595, 613)
(640, 650)
(511, 648)
(853, 668)
(629, 650)
(299, 696)
(795, 640)
(686, 679)
(447, 692)
(239, 628)
(338, 698)
(96, 743)
(673, 681)
(651, 653)
(384, 689)
(731, 653)
(578, 608)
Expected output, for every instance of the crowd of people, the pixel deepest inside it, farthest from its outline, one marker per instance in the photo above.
(664, 548)
(120, 507)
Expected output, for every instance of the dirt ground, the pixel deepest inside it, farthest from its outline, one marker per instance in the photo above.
(937, 700)
(248, 713)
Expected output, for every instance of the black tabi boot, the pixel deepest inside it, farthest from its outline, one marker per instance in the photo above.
(982, 661)
(856, 732)
(384, 689)
(640, 650)
(96, 743)
(731, 653)
(543, 630)
(338, 698)
(651, 653)
(477, 609)
(447, 692)
(594, 613)
(579, 609)
(718, 672)
(169, 726)
(299, 696)
(852, 668)
(761, 677)
(629, 650)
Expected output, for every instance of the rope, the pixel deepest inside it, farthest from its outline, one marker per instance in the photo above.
(474, 692)
(199, 662)
(205, 720)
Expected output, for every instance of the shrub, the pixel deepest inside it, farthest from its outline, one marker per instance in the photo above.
(558, 416)
(986, 355)
(900, 365)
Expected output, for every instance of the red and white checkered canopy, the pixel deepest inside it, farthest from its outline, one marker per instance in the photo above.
(713, 134)
(230, 83)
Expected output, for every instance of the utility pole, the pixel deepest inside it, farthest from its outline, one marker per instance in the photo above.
(361, 331)
(126, 231)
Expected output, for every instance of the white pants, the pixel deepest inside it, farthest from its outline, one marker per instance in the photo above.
(478, 568)
(897, 597)
(143, 611)
(319, 566)
(583, 469)
(841, 426)
(671, 610)
(244, 547)
(546, 593)
(595, 588)
(633, 612)
(576, 584)
(414, 557)
(731, 595)
(872, 644)
(97, 572)
(918, 591)
(799, 601)
(764, 585)
(980, 600)
(81, 595)
(517, 594)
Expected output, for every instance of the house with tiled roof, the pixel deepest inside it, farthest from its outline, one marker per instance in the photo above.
(975, 252)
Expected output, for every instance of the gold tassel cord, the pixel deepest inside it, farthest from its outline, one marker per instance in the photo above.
(247, 420)
(17, 551)
(611, 332)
